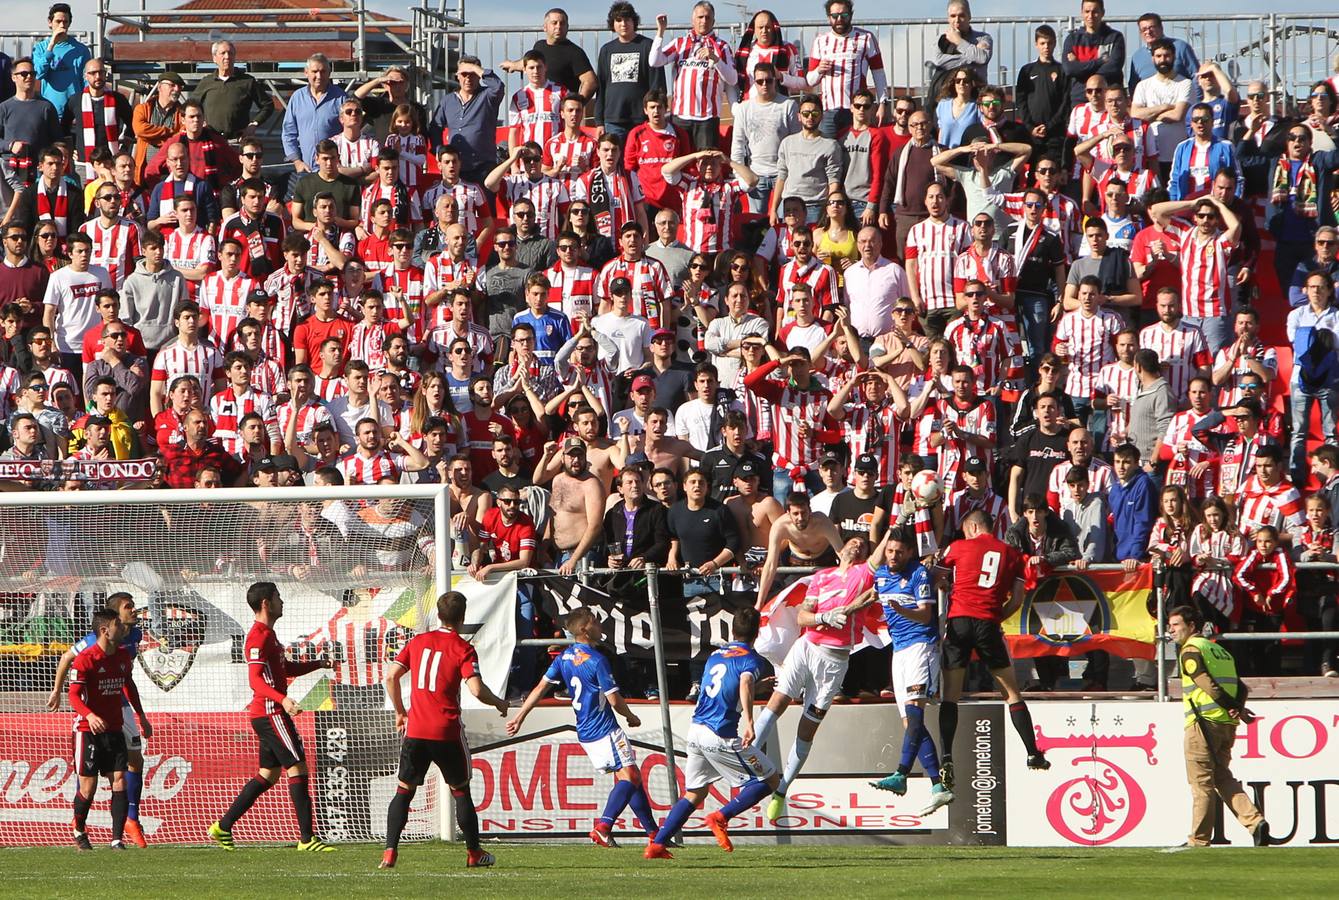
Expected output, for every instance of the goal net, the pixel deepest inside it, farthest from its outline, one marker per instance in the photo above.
(358, 569)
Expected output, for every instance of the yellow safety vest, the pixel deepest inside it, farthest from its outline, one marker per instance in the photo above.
(1222, 668)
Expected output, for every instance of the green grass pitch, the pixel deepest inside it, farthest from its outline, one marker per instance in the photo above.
(543, 870)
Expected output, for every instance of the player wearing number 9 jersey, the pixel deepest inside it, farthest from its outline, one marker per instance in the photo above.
(595, 696)
(717, 746)
(985, 577)
(437, 663)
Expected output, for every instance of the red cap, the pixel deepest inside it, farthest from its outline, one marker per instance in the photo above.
(642, 381)
(662, 332)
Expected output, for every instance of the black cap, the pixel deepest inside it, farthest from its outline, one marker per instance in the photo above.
(620, 286)
(95, 419)
(284, 462)
(258, 295)
(265, 463)
(746, 468)
(866, 462)
(974, 464)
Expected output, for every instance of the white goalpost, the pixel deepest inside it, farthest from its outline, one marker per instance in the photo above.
(359, 568)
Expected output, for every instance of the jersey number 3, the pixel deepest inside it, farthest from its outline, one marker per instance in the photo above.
(715, 676)
(990, 569)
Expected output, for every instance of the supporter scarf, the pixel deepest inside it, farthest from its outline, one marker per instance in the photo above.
(169, 193)
(601, 204)
(61, 214)
(110, 127)
(209, 160)
(902, 159)
(1303, 193)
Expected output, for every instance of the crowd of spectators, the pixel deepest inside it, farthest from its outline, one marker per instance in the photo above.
(726, 324)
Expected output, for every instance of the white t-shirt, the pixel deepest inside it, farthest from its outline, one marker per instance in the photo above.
(73, 294)
(636, 425)
(1155, 91)
(692, 422)
(347, 416)
(631, 334)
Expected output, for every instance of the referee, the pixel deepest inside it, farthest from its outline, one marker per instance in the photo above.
(1214, 701)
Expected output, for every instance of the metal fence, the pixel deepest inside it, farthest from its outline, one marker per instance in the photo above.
(1288, 51)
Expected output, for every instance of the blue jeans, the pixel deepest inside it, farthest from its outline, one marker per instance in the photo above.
(781, 484)
(1083, 408)
(617, 131)
(813, 211)
(524, 660)
(833, 121)
(692, 588)
(1301, 401)
(1217, 330)
(1034, 314)
(757, 198)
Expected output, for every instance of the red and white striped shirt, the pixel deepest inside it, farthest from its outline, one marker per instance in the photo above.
(289, 293)
(470, 202)
(997, 269)
(1062, 217)
(533, 112)
(313, 413)
(1182, 352)
(650, 287)
(1215, 584)
(983, 344)
(1261, 353)
(1101, 476)
(359, 469)
(1179, 431)
(223, 301)
(547, 194)
(328, 387)
(976, 418)
(267, 376)
(822, 281)
(852, 56)
(1279, 505)
(1142, 141)
(204, 361)
(935, 246)
(441, 271)
(359, 153)
(1204, 284)
(960, 504)
(318, 257)
(709, 213)
(1198, 170)
(406, 211)
(368, 343)
(1236, 462)
(406, 286)
(571, 156)
(227, 409)
(115, 247)
(413, 149)
(876, 431)
(696, 93)
(1089, 339)
(1117, 380)
(481, 345)
(612, 206)
(572, 292)
(1084, 122)
(190, 251)
(1137, 183)
(793, 410)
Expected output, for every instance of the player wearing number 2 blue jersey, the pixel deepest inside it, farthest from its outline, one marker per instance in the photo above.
(595, 697)
(717, 746)
(903, 587)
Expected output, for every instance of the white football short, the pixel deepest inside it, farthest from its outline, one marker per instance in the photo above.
(712, 757)
(813, 673)
(611, 752)
(916, 665)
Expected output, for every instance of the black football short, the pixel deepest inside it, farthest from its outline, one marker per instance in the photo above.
(100, 754)
(965, 634)
(417, 755)
(280, 744)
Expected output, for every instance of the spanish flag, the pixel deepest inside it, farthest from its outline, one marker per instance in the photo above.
(1071, 613)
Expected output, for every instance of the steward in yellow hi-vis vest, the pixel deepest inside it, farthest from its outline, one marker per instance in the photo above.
(1214, 700)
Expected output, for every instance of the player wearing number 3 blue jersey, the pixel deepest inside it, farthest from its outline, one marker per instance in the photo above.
(718, 747)
(595, 696)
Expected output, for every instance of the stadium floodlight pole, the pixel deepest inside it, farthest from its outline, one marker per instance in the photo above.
(662, 679)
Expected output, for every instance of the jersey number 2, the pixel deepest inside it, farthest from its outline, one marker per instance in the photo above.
(990, 569)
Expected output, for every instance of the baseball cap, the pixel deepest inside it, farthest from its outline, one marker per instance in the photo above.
(258, 295)
(264, 464)
(830, 458)
(974, 464)
(574, 445)
(104, 421)
(630, 226)
(746, 469)
(620, 285)
(866, 462)
(663, 333)
(642, 381)
(286, 463)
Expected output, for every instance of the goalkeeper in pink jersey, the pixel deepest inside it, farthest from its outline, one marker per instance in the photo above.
(816, 664)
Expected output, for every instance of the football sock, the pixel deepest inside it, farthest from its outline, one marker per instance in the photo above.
(750, 795)
(617, 802)
(911, 740)
(799, 752)
(929, 756)
(134, 786)
(948, 725)
(397, 816)
(1022, 719)
(678, 814)
(82, 805)
(641, 808)
(467, 817)
(763, 726)
(302, 805)
(249, 795)
(120, 802)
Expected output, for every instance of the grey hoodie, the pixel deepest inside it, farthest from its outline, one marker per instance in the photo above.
(147, 301)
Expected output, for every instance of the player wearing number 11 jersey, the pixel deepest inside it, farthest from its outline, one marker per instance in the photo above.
(986, 588)
(595, 696)
(437, 663)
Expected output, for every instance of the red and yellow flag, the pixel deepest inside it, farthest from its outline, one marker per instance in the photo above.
(1071, 613)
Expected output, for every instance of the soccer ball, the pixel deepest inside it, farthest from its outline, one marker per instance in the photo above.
(925, 487)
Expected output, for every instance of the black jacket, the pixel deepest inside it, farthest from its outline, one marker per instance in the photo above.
(1058, 547)
(650, 531)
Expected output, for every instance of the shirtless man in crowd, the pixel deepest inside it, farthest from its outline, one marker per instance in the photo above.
(757, 513)
(603, 456)
(663, 450)
(810, 538)
(577, 501)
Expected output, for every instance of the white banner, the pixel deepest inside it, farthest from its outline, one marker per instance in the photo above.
(490, 625)
(1118, 775)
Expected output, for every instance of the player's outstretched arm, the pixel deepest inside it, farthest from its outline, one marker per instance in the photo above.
(536, 695)
(484, 694)
(58, 685)
(621, 707)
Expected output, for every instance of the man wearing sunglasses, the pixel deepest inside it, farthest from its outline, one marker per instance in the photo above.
(839, 61)
(1299, 199)
(762, 121)
(1200, 157)
(28, 123)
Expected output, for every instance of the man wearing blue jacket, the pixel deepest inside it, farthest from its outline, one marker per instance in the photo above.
(1133, 501)
(59, 61)
(1200, 157)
